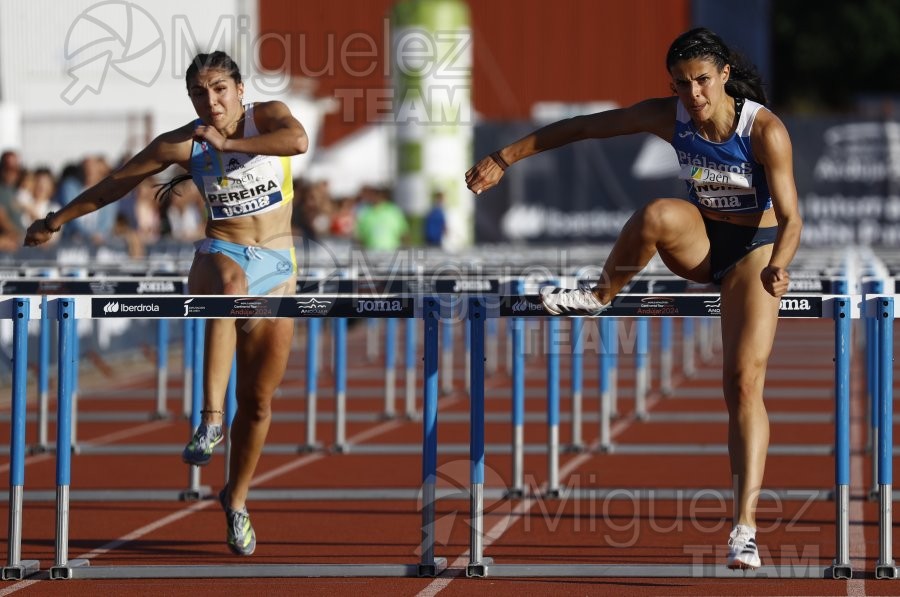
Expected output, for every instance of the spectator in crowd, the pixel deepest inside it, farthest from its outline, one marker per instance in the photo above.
(382, 226)
(36, 196)
(343, 220)
(435, 223)
(185, 213)
(10, 176)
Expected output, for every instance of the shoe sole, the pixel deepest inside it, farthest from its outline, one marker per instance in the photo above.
(741, 566)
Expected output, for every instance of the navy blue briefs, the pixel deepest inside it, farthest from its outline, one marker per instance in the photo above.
(729, 243)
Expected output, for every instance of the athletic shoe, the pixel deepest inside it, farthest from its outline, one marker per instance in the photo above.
(199, 450)
(579, 301)
(241, 538)
(743, 552)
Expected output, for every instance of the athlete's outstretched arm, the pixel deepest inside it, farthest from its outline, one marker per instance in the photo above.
(655, 116)
(279, 133)
(167, 149)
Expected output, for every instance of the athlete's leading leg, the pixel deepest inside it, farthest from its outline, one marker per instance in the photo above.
(673, 228)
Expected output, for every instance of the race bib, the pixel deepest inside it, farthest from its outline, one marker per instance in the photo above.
(721, 190)
(248, 191)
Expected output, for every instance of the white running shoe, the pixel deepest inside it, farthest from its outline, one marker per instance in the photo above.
(743, 552)
(579, 301)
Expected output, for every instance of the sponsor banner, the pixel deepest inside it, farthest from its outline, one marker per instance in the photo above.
(655, 305)
(163, 307)
(84, 287)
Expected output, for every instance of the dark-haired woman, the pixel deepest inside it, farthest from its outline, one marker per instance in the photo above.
(235, 154)
(740, 228)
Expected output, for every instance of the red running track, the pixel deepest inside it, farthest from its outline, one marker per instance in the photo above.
(615, 529)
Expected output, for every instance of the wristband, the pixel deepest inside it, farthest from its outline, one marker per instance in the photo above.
(498, 159)
(47, 223)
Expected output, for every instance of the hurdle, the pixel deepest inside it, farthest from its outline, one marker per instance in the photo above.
(69, 310)
(840, 308)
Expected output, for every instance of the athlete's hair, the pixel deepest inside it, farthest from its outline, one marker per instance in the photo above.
(744, 80)
(217, 60)
(165, 190)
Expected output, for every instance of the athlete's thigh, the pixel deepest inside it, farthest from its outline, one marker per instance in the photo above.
(682, 244)
(263, 348)
(749, 314)
(215, 273)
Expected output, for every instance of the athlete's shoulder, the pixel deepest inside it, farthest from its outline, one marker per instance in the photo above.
(174, 145)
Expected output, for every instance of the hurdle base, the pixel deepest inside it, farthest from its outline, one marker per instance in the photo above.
(579, 448)
(339, 449)
(841, 572)
(195, 495)
(514, 494)
(885, 571)
(479, 569)
(555, 493)
(24, 569)
(308, 448)
(65, 572)
(432, 570)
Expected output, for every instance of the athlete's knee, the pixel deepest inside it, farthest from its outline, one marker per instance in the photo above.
(744, 388)
(660, 216)
(257, 407)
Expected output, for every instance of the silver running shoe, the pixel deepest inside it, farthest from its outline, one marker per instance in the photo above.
(743, 552)
(241, 538)
(199, 450)
(578, 301)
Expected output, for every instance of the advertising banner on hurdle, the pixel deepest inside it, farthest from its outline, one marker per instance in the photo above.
(658, 305)
(170, 307)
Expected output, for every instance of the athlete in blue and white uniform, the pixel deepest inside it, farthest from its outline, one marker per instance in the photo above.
(235, 155)
(740, 227)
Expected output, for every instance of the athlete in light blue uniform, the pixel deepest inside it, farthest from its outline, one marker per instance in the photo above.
(740, 228)
(235, 154)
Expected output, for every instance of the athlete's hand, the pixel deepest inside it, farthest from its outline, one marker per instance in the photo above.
(37, 234)
(483, 175)
(775, 280)
(211, 136)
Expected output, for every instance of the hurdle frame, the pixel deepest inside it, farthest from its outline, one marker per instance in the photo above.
(840, 308)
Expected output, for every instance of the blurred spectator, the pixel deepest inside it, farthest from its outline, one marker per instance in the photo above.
(343, 220)
(314, 205)
(382, 226)
(95, 227)
(10, 175)
(122, 230)
(36, 196)
(185, 213)
(145, 212)
(435, 223)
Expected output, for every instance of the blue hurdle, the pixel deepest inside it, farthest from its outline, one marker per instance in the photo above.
(479, 566)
